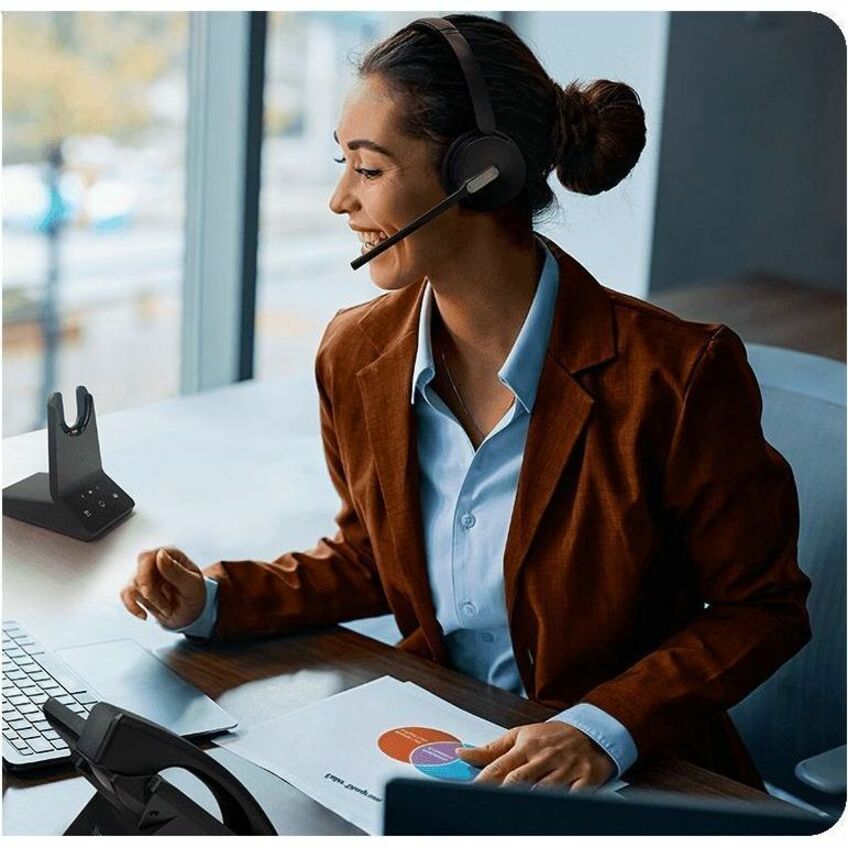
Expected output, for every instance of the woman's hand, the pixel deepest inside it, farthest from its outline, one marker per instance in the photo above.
(169, 585)
(552, 753)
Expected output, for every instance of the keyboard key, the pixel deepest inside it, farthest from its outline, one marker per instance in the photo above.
(29, 733)
(30, 666)
(67, 700)
(63, 676)
(33, 648)
(54, 691)
(10, 712)
(21, 745)
(40, 699)
(17, 700)
(51, 734)
(8, 733)
(40, 676)
(14, 653)
(79, 709)
(59, 745)
(29, 709)
(43, 727)
(16, 674)
(11, 689)
(19, 724)
(40, 746)
(31, 690)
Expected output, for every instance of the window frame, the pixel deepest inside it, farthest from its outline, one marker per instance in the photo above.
(223, 167)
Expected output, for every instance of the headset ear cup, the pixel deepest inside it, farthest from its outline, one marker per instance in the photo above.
(470, 153)
(450, 178)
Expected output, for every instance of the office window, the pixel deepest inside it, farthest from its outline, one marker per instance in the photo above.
(94, 121)
(304, 274)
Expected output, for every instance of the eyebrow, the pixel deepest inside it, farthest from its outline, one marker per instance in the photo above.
(365, 143)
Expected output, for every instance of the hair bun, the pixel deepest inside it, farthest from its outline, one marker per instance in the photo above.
(599, 135)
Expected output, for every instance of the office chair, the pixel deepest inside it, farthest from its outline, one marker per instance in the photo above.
(800, 711)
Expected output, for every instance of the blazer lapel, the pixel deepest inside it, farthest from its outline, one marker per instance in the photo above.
(384, 385)
(582, 335)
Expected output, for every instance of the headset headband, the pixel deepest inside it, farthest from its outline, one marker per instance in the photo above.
(484, 117)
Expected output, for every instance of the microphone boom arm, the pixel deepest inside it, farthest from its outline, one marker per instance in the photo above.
(472, 186)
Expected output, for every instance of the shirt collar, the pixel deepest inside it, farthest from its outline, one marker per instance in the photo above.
(523, 366)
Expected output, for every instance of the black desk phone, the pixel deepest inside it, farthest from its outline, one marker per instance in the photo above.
(121, 755)
(76, 497)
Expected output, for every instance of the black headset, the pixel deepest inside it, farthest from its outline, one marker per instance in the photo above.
(483, 169)
(475, 150)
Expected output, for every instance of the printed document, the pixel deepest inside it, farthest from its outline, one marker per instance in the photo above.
(343, 750)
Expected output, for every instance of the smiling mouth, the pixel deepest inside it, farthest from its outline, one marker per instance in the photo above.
(374, 238)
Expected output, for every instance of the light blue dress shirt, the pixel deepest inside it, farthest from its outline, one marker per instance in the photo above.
(467, 498)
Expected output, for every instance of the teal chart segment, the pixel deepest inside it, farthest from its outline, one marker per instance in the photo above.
(430, 751)
(437, 759)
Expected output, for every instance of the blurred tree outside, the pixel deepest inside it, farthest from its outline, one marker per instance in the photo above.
(111, 89)
(82, 73)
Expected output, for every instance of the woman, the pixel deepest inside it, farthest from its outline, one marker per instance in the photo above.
(555, 488)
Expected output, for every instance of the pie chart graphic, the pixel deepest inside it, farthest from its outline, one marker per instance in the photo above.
(431, 751)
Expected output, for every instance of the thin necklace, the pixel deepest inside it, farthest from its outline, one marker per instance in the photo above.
(459, 396)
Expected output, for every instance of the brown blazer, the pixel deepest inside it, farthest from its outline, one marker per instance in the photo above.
(650, 566)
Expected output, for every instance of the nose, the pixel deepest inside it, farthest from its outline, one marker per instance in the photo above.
(342, 199)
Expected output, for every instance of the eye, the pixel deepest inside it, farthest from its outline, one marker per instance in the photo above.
(369, 174)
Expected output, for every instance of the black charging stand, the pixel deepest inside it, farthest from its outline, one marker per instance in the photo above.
(75, 497)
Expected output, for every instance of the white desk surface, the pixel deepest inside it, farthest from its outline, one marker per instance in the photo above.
(233, 473)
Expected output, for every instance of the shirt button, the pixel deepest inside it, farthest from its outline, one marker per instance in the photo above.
(469, 609)
(487, 637)
(468, 521)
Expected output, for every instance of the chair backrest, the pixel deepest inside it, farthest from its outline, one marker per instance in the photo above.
(800, 710)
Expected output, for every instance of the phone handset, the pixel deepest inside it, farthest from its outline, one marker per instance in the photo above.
(121, 755)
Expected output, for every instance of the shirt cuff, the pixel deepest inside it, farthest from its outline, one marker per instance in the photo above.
(607, 731)
(204, 624)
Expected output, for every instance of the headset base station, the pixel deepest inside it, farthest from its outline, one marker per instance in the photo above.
(75, 498)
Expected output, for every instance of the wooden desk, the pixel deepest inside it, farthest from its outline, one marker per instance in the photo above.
(214, 474)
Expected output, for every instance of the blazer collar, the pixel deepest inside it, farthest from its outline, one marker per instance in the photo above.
(582, 336)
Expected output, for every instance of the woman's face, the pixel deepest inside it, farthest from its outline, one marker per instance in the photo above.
(387, 181)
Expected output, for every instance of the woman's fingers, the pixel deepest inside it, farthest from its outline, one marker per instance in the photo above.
(155, 602)
(497, 770)
(130, 599)
(184, 579)
(583, 784)
(559, 778)
(166, 584)
(137, 604)
(148, 582)
(485, 754)
(530, 772)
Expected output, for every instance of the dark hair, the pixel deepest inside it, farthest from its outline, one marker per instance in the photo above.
(592, 134)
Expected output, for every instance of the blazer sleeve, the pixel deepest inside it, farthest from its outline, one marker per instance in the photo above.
(337, 580)
(733, 498)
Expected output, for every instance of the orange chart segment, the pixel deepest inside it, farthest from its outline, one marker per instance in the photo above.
(402, 741)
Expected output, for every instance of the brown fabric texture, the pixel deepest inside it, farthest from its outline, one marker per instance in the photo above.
(650, 566)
